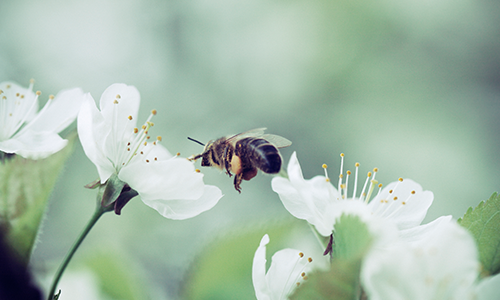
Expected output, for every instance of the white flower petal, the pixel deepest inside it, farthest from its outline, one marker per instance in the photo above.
(185, 208)
(19, 105)
(488, 288)
(284, 272)
(61, 112)
(172, 179)
(92, 131)
(417, 233)
(444, 265)
(405, 215)
(34, 145)
(262, 291)
(129, 100)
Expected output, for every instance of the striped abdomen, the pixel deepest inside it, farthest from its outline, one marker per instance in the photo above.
(258, 152)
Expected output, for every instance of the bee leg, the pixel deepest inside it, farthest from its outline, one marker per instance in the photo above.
(227, 163)
(237, 181)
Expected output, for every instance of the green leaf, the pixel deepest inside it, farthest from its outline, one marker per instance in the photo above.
(351, 237)
(484, 224)
(25, 186)
(341, 282)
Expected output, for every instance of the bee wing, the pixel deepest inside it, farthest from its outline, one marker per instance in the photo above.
(276, 140)
(257, 132)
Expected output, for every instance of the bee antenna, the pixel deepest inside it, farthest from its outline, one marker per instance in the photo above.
(196, 141)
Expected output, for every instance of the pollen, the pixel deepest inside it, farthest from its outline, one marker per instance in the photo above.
(154, 112)
(178, 154)
(147, 160)
(342, 155)
(400, 179)
(309, 259)
(130, 117)
(395, 198)
(136, 130)
(197, 170)
(390, 192)
(380, 185)
(413, 192)
(369, 174)
(403, 203)
(375, 170)
(356, 164)
(349, 173)
(301, 254)
(324, 166)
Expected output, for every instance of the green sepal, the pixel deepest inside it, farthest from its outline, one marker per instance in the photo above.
(352, 240)
(112, 190)
(483, 222)
(25, 186)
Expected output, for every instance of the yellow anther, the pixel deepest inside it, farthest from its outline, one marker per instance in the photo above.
(156, 158)
(153, 112)
(400, 179)
(151, 124)
(197, 170)
(38, 93)
(375, 170)
(51, 97)
(147, 160)
(395, 198)
(130, 117)
(341, 154)
(158, 138)
(390, 192)
(145, 143)
(118, 96)
(356, 165)
(303, 274)
(324, 166)
(349, 173)
(379, 185)
(178, 154)
(115, 101)
(341, 176)
(301, 254)
(403, 203)
(369, 174)
(136, 130)
(413, 192)
(148, 137)
(143, 127)
(309, 259)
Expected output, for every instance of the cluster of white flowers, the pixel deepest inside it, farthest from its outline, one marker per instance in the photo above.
(109, 136)
(407, 260)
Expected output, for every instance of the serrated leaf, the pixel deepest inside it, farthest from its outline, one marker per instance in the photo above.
(25, 186)
(341, 282)
(484, 224)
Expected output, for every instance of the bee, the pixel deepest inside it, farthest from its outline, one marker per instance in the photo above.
(244, 153)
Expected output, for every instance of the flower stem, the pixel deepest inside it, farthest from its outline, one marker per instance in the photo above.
(97, 214)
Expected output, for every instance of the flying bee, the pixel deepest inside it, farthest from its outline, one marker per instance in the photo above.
(244, 153)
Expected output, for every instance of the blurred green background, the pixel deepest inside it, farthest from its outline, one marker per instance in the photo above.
(411, 87)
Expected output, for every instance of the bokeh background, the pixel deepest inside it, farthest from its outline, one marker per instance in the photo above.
(411, 87)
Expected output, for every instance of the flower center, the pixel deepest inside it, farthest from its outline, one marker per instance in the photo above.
(394, 197)
(16, 108)
(135, 144)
